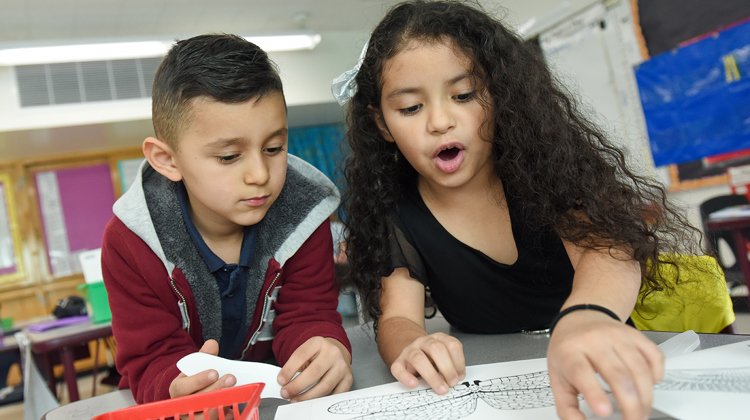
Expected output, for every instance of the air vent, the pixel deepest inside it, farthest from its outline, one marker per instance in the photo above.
(85, 82)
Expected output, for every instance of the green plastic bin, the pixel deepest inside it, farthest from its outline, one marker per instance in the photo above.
(97, 302)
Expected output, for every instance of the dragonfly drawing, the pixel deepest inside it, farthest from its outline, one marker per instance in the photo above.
(520, 392)
(507, 393)
(717, 380)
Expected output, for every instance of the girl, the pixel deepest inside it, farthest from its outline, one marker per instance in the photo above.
(473, 177)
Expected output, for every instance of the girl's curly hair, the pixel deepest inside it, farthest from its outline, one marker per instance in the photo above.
(553, 161)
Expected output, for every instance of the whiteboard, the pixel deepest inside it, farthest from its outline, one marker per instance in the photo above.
(592, 55)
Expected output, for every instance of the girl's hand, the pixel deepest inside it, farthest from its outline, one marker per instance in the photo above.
(205, 381)
(438, 358)
(324, 366)
(588, 342)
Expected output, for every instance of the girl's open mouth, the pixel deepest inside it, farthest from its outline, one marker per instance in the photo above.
(450, 158)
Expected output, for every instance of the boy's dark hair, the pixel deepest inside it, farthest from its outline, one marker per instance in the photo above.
(221, 67)
(553, 161)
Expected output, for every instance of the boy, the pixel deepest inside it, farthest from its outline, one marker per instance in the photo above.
(222, 244)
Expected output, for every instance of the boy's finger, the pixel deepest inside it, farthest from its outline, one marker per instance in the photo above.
(226, 381)
(211, 347)
(186, 385)
(336, 376)
(344, 385)
(312, 390)
(301, 382)
(298, 359)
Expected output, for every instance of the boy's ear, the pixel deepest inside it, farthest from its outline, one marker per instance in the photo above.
(161, 157)
(378, 118)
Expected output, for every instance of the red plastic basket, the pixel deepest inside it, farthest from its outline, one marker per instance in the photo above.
(197, 403)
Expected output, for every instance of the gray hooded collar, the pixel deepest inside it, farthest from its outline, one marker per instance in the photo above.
(150, 209)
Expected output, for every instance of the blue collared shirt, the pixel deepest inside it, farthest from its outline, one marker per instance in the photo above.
(231, 279)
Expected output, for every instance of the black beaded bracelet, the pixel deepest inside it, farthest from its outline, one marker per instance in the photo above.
(580, 308)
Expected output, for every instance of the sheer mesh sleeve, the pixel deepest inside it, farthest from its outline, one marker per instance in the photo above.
(403, 254)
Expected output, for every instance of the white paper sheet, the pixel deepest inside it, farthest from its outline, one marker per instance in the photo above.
(520, 390)
(245, 372)
(707, 384)
(91, 265)
(512, 390)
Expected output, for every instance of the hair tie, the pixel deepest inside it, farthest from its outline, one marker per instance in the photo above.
(580, 308)
(344, 86)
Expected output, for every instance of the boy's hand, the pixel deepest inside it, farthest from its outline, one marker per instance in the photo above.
(205, 381)
(587, 342)
(438, 358)
(324, 366)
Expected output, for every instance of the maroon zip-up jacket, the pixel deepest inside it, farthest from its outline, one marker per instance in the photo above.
(165, 302)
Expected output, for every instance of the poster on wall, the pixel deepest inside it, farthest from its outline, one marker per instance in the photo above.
(696, 99)
(75, 205)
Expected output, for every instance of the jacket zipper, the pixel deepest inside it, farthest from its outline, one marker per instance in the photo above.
(182, 305)
(262, 316)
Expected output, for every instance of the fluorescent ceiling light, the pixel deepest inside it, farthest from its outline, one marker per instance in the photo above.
(141, 49)
(292, 42)
(82, 52)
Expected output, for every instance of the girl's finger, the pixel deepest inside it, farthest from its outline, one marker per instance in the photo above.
(641, 375)
(405, 375)
(618, 375)
(425, 368)
(581, 378)
(566, 400)
(441, 358)
(456, 352)
(653, 355)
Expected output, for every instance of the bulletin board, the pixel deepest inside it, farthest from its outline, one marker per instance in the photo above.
(11, 263)
(74, 206)
(696, 99)
(663, 28)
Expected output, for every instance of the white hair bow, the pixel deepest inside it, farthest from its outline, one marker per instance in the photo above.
(344, 86)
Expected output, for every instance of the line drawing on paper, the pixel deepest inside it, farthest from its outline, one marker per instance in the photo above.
(717, 380)
(519, 392)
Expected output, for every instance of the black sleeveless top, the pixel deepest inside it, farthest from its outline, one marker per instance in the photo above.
(474, 292)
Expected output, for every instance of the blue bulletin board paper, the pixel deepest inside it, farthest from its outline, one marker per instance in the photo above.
(696, 99)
